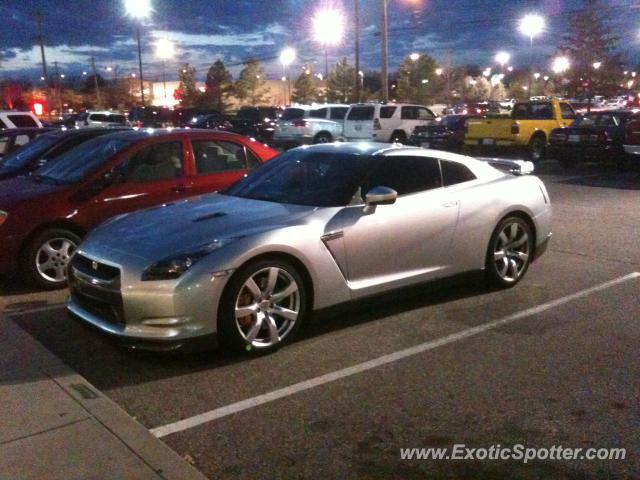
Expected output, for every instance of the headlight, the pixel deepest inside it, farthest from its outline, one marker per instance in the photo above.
(3, 217)
(174, 266)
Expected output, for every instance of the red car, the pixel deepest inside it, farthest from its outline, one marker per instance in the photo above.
(44, 216)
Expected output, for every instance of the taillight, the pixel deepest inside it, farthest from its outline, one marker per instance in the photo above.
(299, 123)
(515, 128)
(376, 124)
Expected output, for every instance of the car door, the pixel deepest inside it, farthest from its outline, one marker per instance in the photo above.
(405, 242)
(218, 164)
(148, 176)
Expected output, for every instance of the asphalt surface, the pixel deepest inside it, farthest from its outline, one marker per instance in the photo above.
(566, 375)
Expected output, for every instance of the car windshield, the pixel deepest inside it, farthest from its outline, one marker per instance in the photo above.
(74, 165)
(292, 114)
(301, 177)
(30, 152)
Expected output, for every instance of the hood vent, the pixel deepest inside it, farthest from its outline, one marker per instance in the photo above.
(209, 216)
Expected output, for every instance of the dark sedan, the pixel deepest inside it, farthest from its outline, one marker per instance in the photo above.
(596, 135)
(256, 122)
(447, 134)
(45, 148)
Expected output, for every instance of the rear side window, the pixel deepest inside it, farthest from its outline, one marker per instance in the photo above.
(338, 113)
(405, 175)
(320, 113)
(454, 173)
(98, 117)
(292, 114)
(361, 113)
(22, 120)
(409, 113)
(387, 112)
(162, 161)
(425, 114)
(520, 111)
(117, 119)
(219, 156)
(541, 111)
(567, 111)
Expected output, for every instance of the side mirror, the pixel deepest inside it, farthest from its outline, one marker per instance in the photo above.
(379, 196)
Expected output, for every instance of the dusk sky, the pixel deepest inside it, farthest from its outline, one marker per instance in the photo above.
(471, 31)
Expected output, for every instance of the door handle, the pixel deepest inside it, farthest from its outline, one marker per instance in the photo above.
(181, 188)
(450, 204)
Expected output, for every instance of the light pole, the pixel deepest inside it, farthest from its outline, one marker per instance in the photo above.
(531, 25)
(139, 10)
(165, 50)
(287, 56)
(328, 30)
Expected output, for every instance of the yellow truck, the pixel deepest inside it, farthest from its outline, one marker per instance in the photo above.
(527, 128)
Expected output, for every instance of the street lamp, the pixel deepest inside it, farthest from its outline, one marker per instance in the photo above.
(560, 65)
(502, 58)
(438, 71)
(328, 30)
(165, 50)
(531, 25)
(597, 65)
(139, 10)
(414, 57)
(536, 75)
(287, 56)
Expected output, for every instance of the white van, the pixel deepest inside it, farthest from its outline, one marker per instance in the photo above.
(391, 122)
(101, 119)
(307, 124)
(12, 119)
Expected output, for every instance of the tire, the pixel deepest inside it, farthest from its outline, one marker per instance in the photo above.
(504, 267)
(536, 149)
(398, 136)
(323, 137)
(251, 290)
(46, 257)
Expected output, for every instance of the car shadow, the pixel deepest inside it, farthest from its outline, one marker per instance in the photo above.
(108, 365)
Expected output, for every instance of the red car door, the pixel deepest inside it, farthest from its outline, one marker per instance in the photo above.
(219, 163)
(148, 176)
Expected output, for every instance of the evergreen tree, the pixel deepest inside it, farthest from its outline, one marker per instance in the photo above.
(189, 93)
(590, 39)
(304, 89)
(341, 83)
(250, 86)
(417, 81)
(218, 86)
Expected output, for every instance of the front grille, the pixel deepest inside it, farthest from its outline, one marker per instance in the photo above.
(95, 269)
(98, 296)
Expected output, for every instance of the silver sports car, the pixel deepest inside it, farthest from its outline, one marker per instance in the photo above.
(315, 227)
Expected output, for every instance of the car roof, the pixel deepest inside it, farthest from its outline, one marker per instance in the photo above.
(72, 132)
(26, 130)
(139, 133)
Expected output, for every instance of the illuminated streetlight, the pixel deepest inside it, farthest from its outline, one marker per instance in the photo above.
(139, 10)
(328, 30)
(536, 75)
(633, 74)
(502, 58)
(560, 65)
(486, 72)
(414, 56)
(545, 78)
(438, 71)
(531, 25)
(165, 50)
(630, 84)
(287, 56)
(597, 65)
(425, 80)
(510, 68)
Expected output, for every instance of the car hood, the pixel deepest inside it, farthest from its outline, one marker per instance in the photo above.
(175, 228)
(14, 191)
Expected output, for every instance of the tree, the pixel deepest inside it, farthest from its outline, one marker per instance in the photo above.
(417, 82)
(305, 89)
(590, 39)
(341, 83)
(219, 84)
(190, 95)
(250, 86)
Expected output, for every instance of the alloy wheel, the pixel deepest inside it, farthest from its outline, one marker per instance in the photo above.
(511, 252)
(52, 258)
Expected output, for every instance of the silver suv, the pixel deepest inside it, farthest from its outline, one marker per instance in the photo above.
(391, 122)
(101, 119)
(305, 124)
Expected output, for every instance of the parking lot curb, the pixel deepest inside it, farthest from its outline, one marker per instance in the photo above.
(23, 353)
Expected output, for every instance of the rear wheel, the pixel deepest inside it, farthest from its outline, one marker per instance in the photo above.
(45, 260)
(263, 306)
(537, 148)
(509, 252)
(398, 137)
(323, 137)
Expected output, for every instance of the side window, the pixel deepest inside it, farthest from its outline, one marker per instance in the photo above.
(338, 113)
(520, 111)
(22, 120)
(409, 113)
(162, 161)
(454, 173)
(405, 175)
(387, 112)
(213, 157)
(425, 114)
(22, 140)
(567, 112)
(541, 111)
(320, 113)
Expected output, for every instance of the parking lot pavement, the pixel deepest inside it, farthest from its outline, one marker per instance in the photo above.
(566, 374)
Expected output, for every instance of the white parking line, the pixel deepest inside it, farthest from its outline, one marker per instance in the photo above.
(236, 407)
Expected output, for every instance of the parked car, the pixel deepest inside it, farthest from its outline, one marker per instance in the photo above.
(43, 216)
(448, 134)
(317, 226)
(632, 138)
(256, 122)
(304, 124)
(12, 139)
(104, 119)
(46, 148)
(527, 128)
(151, 117)
(597, 135)
(391, 122)
(214, 121)
(14, 119)
(184, 117)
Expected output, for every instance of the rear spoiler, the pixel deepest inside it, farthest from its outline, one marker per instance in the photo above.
(514, 167)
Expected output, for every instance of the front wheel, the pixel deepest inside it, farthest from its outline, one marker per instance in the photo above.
(45, 260)
(263, 306)
(509, 252)
(323, 137)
